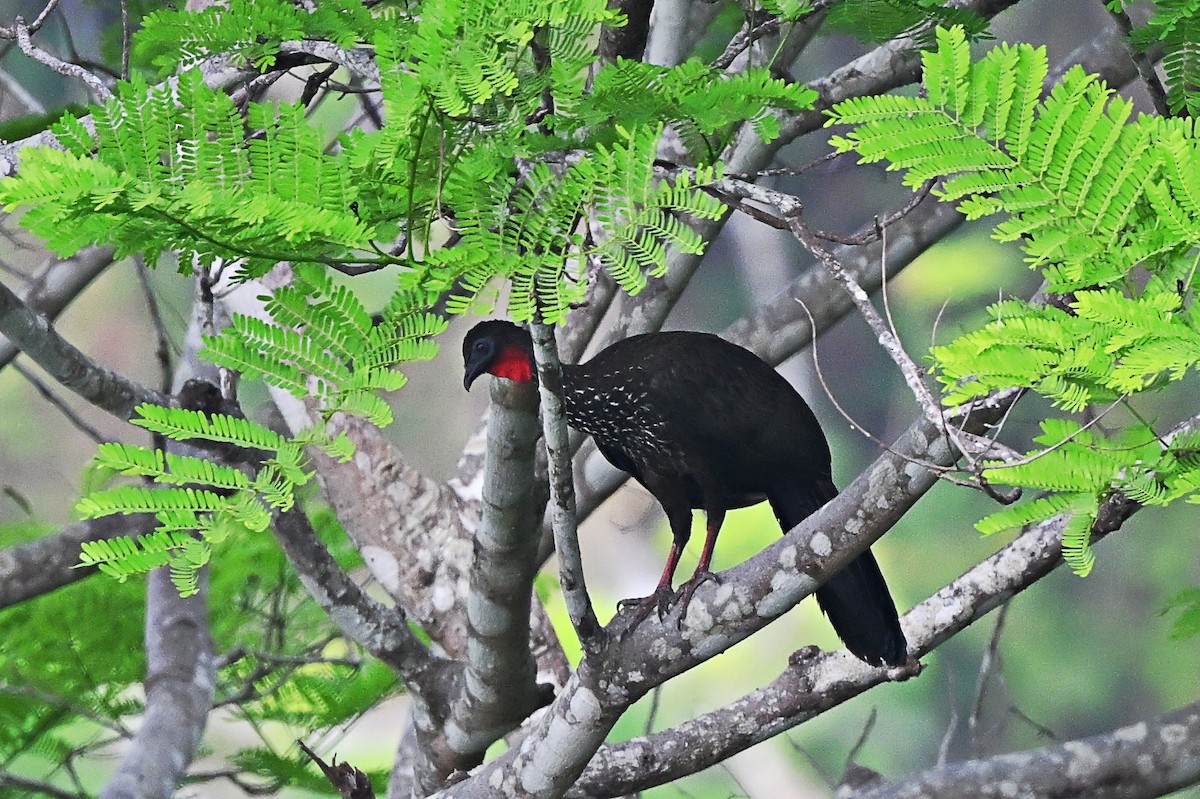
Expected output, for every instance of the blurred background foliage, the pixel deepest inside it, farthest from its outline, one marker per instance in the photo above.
(1075, 656)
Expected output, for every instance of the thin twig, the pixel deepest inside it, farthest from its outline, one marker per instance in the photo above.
(99, 91)
(126, 32)
(891, 345)
(852, 755)
(562, 491)
(60, 404)
(988, 665)
(162, 349)
(33, 27)
(943, 756)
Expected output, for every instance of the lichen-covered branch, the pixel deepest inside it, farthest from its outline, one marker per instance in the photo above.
(1145, 759)
(40, 566)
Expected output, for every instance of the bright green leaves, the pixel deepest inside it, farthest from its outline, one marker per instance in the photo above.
(320, 342)
(695, 99)
(323, 343)
(1107, 345)
(1091, 194)
(1082, 468)
(1074, 176)
(172, 170)
(252, 29)
(543, 231)
(1176, 25)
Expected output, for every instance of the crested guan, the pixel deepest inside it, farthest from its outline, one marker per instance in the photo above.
(702, 423)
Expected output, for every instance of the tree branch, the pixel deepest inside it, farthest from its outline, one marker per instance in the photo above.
(382, 631)
(65, 363)
(39, 567)
(499, 686)
(1149, 758)
(99, 91)
(562, 491)
(56, 285)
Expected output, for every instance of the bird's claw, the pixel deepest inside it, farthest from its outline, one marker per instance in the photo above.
(688, 589)
(661, 600)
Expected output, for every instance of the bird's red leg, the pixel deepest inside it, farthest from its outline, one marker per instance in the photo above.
(661, 598)
(703, 572)
(679, 515)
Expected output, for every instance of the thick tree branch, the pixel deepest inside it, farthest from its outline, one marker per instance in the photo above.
(1149, 758)
(180, 678)
(815, 683)
(56, 284)
(382, 631)
(499, 687)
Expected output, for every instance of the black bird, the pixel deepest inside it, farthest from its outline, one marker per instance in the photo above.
(702, 423)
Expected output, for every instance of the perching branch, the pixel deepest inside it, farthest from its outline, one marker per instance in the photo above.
(1149, 758)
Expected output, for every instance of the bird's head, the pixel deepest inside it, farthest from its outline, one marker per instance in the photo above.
(497, 348)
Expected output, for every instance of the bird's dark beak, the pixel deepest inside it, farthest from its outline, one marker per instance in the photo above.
(475, 367)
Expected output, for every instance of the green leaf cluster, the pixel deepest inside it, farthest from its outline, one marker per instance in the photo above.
(1175, 24)
(1081, 468)
(492, 118)
(177, 168)
(198, 503)
(321, 342)
(881, 20)
(174, 39)
(1092, 195)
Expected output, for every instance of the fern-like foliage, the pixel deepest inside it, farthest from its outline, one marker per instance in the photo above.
(1176, 25)
(547, 251)
(1091, 195)
(1082, 468)
(322, 342)
(171, 169)
(172, 39)
(198, 503)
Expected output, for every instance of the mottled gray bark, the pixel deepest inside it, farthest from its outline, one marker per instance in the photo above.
(1142, 760)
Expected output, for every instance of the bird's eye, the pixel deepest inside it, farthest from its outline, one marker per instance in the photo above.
(480, 346)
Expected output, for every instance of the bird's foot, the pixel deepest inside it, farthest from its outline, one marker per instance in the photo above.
(688, 589)
(660, 600)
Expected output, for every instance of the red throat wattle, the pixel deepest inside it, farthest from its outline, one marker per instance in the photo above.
(513, 363)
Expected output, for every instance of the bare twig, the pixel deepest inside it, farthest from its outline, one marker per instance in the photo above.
(989, 664)
(66, 410)
(562, 490)
(162, 350)
(99, 91)
(33, 27)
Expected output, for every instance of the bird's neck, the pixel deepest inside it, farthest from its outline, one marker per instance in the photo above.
(515, 364)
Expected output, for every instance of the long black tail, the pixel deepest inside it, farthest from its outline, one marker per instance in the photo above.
(856, 599)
